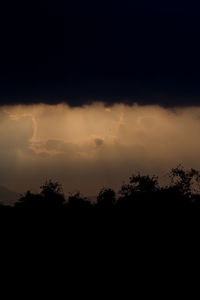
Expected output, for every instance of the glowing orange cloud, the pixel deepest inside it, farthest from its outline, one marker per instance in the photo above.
(91, 146)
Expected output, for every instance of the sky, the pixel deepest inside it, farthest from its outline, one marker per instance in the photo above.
(92, 91)
(113, 51)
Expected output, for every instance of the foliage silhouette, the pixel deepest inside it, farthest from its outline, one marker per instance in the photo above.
(142, 197)
(51, 197)
(106, 198)
(49, 188)
(76, 202)
(139, 184)
(186, 181)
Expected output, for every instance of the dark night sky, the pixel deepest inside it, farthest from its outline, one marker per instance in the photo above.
(54, 51)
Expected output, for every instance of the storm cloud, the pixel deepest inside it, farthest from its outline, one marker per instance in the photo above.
(112, 51)
(92, 146)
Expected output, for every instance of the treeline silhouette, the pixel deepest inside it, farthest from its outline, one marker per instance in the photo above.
(142, 195)
(143, 224)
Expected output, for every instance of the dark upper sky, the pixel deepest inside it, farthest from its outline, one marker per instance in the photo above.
(54, 50)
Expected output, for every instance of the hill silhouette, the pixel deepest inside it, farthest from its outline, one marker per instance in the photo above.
(8, 197)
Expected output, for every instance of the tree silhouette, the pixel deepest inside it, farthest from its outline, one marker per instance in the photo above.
(187, 182)
(76, 202)
(30, 201)
(51, 187)
(106, 198)
(140, 197)
(52, 192)
(139, 184)
(51, 197)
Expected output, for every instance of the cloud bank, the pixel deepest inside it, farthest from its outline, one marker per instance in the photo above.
(92, 146)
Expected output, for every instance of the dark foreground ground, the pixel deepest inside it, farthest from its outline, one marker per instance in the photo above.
(145, 242)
